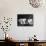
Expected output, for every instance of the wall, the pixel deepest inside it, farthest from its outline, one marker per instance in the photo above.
(10, 8)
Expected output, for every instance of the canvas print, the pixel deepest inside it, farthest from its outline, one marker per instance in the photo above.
(24, 19)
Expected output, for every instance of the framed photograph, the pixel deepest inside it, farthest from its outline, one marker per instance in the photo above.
(24, 19)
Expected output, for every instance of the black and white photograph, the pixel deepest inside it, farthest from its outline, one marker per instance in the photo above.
(24, 19)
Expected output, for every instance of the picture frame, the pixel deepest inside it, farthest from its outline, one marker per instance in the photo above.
(24, 19)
